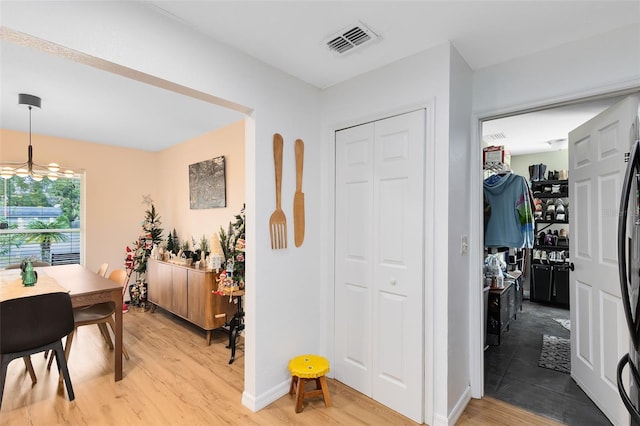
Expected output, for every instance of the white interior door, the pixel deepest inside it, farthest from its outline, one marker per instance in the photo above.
(599, 335)
(379, 252)
(353, 258)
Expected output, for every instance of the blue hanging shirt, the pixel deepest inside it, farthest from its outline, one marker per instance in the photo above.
(511, 221)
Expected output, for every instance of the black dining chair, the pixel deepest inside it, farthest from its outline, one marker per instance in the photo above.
(27, 360)
(34, 324)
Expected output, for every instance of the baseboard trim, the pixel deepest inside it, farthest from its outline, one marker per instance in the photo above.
(458, 409)
(257, 403)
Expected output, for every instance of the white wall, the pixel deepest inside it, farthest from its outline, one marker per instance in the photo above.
(278, 325)
(459, 213)
(595, 65)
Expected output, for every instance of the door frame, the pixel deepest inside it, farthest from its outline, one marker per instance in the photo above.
(476, 325)
(430, 381)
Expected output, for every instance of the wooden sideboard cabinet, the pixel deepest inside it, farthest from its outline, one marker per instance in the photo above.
(188, 293)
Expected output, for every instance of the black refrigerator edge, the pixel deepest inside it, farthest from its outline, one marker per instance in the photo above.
(629, 272)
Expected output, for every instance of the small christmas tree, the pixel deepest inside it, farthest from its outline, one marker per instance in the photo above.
(232, 243)
(237, 240)
(172, 242)
(138, 254)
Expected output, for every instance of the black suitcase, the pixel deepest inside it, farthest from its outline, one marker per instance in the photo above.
(542, 283)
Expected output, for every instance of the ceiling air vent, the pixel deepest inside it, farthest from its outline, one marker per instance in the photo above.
(350, 38)
(494, 136)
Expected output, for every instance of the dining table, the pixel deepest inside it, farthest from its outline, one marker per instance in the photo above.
(84, 286)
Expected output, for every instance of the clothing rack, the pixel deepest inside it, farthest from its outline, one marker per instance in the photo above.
(496, 250)
(497, 168)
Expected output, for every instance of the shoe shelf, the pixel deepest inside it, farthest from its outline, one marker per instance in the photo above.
(550, 253)
(549, 182)
(552, 248)
(550, 189)
(551, 262)
(547, 195)
(551, 222)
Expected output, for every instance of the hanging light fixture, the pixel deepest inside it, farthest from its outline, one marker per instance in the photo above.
(29, 168)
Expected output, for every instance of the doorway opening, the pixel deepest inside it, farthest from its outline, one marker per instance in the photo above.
(537, 304)
(219, 112)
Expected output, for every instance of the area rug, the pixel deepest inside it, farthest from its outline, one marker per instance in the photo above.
(566, 323)
(555, 354)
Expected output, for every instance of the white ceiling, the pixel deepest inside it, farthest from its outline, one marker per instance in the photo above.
(88, 104)
(85, 103)
(290, 35)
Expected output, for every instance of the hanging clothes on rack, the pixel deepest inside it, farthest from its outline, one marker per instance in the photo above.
(510, 223)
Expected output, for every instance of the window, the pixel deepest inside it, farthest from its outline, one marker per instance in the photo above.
(40, 220)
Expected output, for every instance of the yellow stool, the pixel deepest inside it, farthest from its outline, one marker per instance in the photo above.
(304, 368)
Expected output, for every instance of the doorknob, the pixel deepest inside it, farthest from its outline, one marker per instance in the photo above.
(572, 266)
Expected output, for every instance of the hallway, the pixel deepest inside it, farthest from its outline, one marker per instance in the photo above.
(512, 373)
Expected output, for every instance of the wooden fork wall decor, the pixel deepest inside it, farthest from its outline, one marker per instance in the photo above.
(278, 221)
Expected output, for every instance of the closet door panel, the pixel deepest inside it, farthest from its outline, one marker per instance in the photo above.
(353, 253)
(398, 252)
(379, 325)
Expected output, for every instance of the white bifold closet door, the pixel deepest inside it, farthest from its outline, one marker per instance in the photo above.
(379, 294)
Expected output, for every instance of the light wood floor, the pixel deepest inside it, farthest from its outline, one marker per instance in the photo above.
(172, 378)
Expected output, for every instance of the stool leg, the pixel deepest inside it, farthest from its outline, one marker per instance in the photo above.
(325, 391)
(294, 382)
(300, 394)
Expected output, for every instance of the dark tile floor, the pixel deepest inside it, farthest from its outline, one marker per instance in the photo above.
(512, 373)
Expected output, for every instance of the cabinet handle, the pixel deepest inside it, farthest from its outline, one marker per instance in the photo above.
(572, 266)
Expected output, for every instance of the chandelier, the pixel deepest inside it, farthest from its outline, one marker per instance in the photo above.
(30, 169)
